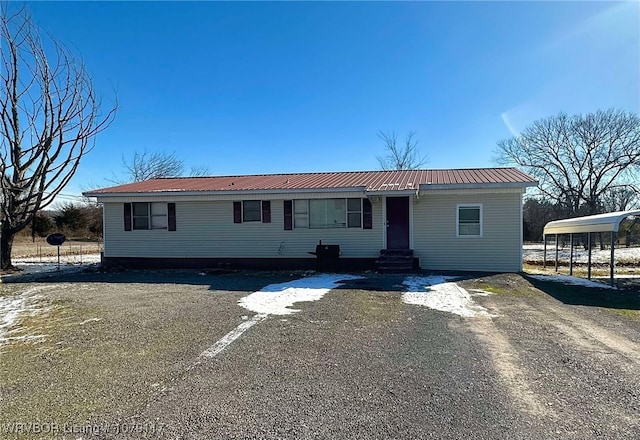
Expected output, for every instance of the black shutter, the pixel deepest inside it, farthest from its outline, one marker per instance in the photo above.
(266, 211)
(127, 216)
(367, 214)
(237, 212)
(171, 216)
(288, 215)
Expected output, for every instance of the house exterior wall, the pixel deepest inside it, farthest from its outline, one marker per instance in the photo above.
(434, 232)
(205, 229)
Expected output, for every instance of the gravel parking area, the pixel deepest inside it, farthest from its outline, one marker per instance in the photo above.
(120, 356)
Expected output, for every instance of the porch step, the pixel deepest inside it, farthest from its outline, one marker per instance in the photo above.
(395, 261)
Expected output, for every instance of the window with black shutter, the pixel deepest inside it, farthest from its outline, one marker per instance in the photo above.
(266, 211)
(237, 212)
(288, 215)
(171, 216)
(127, 216)
(367, 214)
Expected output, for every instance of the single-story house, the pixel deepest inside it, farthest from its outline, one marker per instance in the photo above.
(458, 219)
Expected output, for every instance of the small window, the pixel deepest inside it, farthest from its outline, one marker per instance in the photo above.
(354, 213)
(158, 215)
(140, 216)
(150, 216)
(251, 211)
(300, 214)
(469, 221)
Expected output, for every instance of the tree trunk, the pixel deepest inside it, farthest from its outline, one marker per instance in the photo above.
(6, 242)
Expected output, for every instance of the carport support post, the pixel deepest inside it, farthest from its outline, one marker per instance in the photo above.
(570, 254)
(556, 252)
(611, 266)
(589, 258)
(544, 255)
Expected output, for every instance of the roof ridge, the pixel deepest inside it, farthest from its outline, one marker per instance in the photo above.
(308, 173)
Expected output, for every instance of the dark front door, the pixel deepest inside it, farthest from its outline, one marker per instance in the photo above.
(397, 222)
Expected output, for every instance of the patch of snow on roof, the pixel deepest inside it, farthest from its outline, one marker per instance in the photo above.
(574, 281)
(437, 292)
(276, 299)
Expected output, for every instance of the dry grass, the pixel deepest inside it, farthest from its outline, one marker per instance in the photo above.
(24, 247)
(579, 271)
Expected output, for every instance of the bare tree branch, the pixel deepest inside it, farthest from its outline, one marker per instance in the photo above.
(49, 117)
(400, 157)
(147, 165)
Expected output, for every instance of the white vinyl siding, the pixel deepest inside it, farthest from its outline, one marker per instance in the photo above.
(436, 242)
(206, 230)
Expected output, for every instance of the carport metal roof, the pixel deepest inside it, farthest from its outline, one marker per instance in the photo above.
(609, 222)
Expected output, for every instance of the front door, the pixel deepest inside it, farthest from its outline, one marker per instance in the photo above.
(397, 222)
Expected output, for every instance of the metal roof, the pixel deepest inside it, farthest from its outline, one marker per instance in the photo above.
(609, 222)
(408, 180)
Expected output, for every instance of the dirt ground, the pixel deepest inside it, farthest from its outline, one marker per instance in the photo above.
(118, 356)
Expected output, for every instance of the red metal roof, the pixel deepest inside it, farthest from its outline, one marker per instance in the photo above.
(369, 180)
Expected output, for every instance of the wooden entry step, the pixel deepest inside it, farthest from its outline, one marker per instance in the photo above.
(395, 261)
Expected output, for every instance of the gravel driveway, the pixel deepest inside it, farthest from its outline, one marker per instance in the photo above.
(551, 362)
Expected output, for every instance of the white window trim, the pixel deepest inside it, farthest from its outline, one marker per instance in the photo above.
(469, 205)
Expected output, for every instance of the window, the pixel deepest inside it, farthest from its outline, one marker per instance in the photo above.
(469, 221)
(140, 216)
(327, 213)
(354, 213)
(251, 211)
(300, 214)
(158, 215)
(150, 216)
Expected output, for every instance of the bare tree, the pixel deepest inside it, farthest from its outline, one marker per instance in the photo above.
(49, 117)
(577, 159)
(620, 198)
(147, 165)
(400, 156)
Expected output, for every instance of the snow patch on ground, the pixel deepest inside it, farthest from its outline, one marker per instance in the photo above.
(574, 281)
(12, 308)
(37, 265)
(276, 299)
(535, 252)
(439, 293)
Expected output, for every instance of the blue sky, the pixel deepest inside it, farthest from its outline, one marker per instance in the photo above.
(247, 88)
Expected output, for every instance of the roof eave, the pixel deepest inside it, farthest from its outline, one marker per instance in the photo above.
(436, 186)
(222, 192)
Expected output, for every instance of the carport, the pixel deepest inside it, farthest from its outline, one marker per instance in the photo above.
(609, 222)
